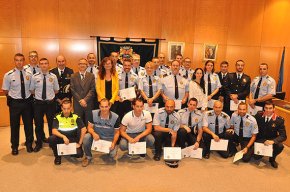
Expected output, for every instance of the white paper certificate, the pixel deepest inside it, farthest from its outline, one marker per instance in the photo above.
(128, 93)
(239, 155)
(221, 145)
(137, 148)
(101, 146)
(177, 104)
(255, 110)
(70, 149)
(210, 103)
(261, 149)
(152, 109)
(172, 153)
(234, 106)
(190, 152)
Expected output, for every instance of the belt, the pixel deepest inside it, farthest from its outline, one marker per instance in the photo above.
(22, 100)
(36, 101)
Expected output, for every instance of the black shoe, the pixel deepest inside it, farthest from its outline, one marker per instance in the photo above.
(14, 151)
(29, 149)
(37, 148)
(274, 164)
(45, 140)
(156, 157)
(206, 156)
(57, 160)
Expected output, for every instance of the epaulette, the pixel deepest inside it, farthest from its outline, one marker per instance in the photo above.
(174, 114)
(279, 117)
(27, 71)
(224, 115)
(165, 75)
(197, 112)
(209, 113)
(26, 66)
(11, 71)
(161, 110)
(38, 73)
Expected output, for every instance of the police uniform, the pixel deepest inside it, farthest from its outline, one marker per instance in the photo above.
(272, 129)
(93, 69)
(144, 85)
(195, 124)
(236, 84)
(140, 71)
(222, 78)
(212, 80)
(119, 68)
(218, 125)
(70, 127)
(20, 104)
(160, 119)
(44, 104)
(242, 134)
(187, 74)
(262, 86)
(63, 77)
(32, 69)
(160, 72)
(105, 128)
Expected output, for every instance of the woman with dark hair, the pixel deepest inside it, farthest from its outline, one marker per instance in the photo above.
(107, 83)
(197, 89)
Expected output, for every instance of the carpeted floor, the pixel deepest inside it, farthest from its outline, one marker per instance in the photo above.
(36, 173)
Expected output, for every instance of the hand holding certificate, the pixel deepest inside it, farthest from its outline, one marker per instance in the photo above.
(101, 146)
(172, 153)
(128, 93)
(255, 110)
(137, 148)
(221, 145)
(262, 149)
(152, 109)
(190, 152)
(70, 149)
(178, 104)
(239, 155)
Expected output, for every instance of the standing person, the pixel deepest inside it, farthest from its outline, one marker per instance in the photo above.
(67, 128)
(136, 68)
(186, 71)
(271, 131)
(44, 86)
(92, 65)
(33, 63)
(224, 66)
(197, 89)
(157, 70)
(115, 59)
(107, 85)
(63, 74)
(16, 87)
(83, 91)
(236, 86)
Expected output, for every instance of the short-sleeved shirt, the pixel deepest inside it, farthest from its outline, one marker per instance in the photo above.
(136, 124)
(250, 125)
(51, 85)
(196, 118)
(160, 119)
(94, 69)
(267, 86)
(144, 84)
(32, 69)
(132, 80)
(168, 86)
(214, 81)
(105, 128)
(183, 72)
(160, 72)
(12, 83)
(209, 121)
(141, 71)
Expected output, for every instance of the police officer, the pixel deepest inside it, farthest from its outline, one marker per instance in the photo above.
(162, 64)
(236, 86)
(116, 63)
(215, 123)
(175, 86)
(92, 66)
(158, 71)
(44, 86)
(127, 79)
(67, 128)
(16, 87)
(63, 74)
(186, 71)
(103, 124)
(190, 130)
(136, 68)
(263, 87)
(224, 66)
(166, 123)
(243, 131)
(271, 131)
(33, 62)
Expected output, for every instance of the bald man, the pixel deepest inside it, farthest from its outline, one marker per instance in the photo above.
(63, 75)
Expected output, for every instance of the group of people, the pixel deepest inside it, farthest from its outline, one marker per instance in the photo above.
(194, 106)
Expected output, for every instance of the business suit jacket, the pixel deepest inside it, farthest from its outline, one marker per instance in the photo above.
(222, 80)
(233, 86)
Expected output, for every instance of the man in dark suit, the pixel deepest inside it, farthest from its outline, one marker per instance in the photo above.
(271, 131)
(224, 66)
(83, 91)
(236, 86)
(63, 75)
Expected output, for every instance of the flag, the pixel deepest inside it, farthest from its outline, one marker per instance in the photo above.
(281, 73)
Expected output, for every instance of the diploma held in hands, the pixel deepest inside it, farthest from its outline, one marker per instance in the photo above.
(70, 149)
(177, 104)
(128, 93)
(152, 109)
(190, 152)
(172, 153)
(261, 149)
(137, 148)
(255, 110)
(234, 106)
(101, 146)
(221, 145)
(239, 155)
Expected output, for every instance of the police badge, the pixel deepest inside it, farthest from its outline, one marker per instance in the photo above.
(27, 78)
(50, 79)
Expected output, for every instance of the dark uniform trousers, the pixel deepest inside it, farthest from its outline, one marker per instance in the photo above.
(54, 140)
(18, 108)
(277, 149)
(160, 139)
(190, 138)
(234, 141)
(207, 141)
(42, 108)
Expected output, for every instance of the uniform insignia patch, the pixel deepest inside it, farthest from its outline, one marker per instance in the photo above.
(247, 123)
(27, 78)
(51, 79)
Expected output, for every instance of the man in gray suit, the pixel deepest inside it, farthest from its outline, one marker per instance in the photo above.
(83, 91)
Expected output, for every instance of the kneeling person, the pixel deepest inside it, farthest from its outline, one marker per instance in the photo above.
(103, 124)
(67, 128)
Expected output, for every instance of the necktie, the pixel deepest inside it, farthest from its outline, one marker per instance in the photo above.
(150, 88)
(241, 130)
(239, 77)
(83, 76)
(22, 85)
(61, 73)
(189, 120)
(176, 87)
(267, 119)
(44, 88)
(126, 81)
(136, 71)
(155, 74)
(91, 70)
(216, 125)
(167, 121)
(258, 89)
(208, 85)
(223, 76)
(34, 71)
(186, 74)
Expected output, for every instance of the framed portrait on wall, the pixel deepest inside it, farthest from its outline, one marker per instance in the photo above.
(175, 48)
(210, 51)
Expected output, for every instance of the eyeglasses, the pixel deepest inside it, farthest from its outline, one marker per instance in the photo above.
(33, 56)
